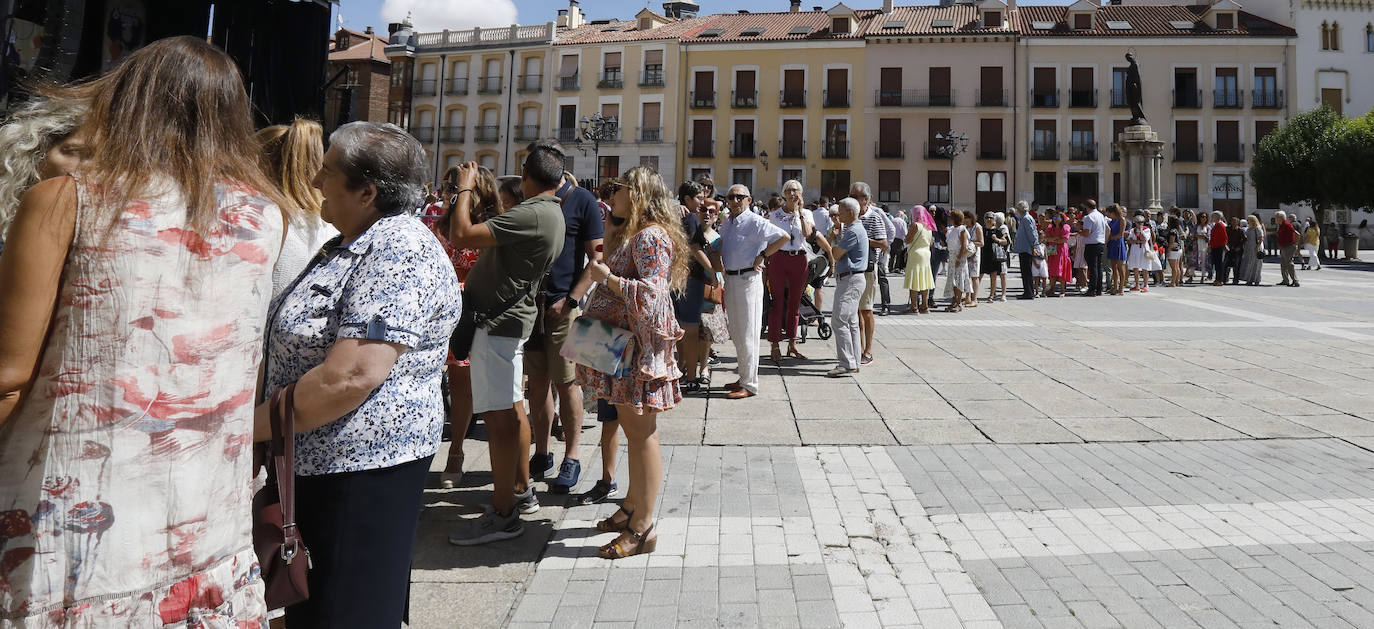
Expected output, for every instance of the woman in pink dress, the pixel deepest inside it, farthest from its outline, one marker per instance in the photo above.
(648, 259)
(1060, 259)
(136, 295)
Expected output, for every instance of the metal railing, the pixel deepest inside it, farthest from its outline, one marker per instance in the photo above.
(835, 149)
(487, 133)
(527, 132)
(650, 134)
(791, 150)
(835, 98)
(1048, 98)
(612, 80)
(914, 98)
(702, 100)
(1187, 152)
(1228, 99)
(424, 134)
(1119, 98)
(651, 78)
(1083, 99)
(744, 100)
(529, 83)
(565, 134)
(1187, 99)
(456, 87)
(991, 98)
(789, 99)
(995, 151)
(933, 151)
(426, 87)
(743, 148)
(452, 134)
(889, 149)
(1044, 151)
(1228, 153)
(489, 85)
(1083, 151)
(701, 148)
(568, 83)
(1266, 99)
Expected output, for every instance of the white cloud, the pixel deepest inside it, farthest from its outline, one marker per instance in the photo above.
(437, 15)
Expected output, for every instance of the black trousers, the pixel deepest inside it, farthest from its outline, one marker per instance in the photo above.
(360, 528)
(883, 293)
(1092, 254)
(1027, 281)
(1218, 263)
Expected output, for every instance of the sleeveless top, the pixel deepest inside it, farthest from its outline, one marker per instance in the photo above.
(125, 495)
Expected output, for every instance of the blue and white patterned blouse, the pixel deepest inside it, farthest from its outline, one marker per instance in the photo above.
(392, 283)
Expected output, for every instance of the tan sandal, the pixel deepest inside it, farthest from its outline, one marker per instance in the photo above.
(611, 525)
(630, 544)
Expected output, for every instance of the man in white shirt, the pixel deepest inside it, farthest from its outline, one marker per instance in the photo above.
(1095, 245)
(746, 241)
(875, 225)
(897, 239)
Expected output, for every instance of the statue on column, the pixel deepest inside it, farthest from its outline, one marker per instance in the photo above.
(1133, 91)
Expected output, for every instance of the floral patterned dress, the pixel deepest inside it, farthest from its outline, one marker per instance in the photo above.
(463, 261)
(644, 263)
(125, 497)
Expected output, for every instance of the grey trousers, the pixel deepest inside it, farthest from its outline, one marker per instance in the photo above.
(844, 318)
(1290, 275)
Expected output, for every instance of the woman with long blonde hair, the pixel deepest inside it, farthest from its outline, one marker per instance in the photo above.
(291, 157)
(37, 142)
(647, 260)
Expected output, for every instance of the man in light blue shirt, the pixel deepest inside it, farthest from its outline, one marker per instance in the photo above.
(1024, 247)
(851, 259)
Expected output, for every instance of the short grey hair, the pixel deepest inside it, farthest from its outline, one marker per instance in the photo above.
(383, 155)
(1218, 214)
(863, 189)
(849, 203)
(1022, 206)
(792, 183)
(741, 186)
(1281, 215)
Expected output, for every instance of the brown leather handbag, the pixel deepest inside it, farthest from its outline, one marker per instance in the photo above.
(284, 559)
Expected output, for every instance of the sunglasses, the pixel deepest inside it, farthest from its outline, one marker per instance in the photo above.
(736, 197)
(617, 221)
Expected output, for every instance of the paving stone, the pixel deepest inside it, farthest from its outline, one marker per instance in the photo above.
(996, 409)
(1188, 427)
(1109, 429)
(936, 431)
(755, 432)
(1025, 431)
(843, 431)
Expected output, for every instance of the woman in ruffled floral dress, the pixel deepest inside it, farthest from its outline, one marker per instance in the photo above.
(648, 260)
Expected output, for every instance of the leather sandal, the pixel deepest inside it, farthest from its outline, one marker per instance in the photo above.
(449, 480)
(777, 355)
(630, 544)
(793, 353)
(611, 525)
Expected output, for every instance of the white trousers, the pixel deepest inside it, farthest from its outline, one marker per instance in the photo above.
(844, 318)
(744, 317)
(1312, 258)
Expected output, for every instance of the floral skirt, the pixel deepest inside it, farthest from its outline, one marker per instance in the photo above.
(643, 395)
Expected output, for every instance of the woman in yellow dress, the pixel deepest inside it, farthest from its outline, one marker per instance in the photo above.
(919, 279)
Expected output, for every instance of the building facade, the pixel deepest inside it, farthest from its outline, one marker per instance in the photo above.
(359, 78)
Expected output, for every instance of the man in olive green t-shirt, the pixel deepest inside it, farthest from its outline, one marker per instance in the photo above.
(517, 248)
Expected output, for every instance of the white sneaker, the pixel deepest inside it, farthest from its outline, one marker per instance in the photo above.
(840, 372)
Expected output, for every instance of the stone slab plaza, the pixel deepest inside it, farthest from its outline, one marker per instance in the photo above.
(1190, 457)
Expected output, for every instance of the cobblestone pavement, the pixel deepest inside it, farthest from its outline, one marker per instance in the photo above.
(1191, 457)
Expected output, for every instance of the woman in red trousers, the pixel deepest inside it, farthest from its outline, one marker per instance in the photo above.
(787, 270)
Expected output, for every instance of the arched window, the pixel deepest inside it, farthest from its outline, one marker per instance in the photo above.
(1335, 36)
(1369, 37)
(1326, 36)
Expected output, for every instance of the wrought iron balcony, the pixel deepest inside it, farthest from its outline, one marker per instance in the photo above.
(527, 132)
(1119, 98)
(651, 78)
(456, 87)
(1266, 99)
(743, 148)
(1083, 99)
(889, 149)
(487, 134)
(453, 135)
(568, 83)
(1083, 151)
(702, 100)
(744, 100)
(1229, 153)
(991, 98)
(1228, 99)
(701, 148)
(426, 87)
(791, 99)
(1187, 152)
(489, 85)
(791, 149)
(835, 149)
(835, 98)
(914, 98)
(1045, 151)
(529, 83)
(994, 151)
(424, 134)
(1047, 98)
(650, 134)
(1187, 99)
(611, 80)
(565, 134)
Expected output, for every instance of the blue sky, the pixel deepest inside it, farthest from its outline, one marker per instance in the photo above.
(358, 14)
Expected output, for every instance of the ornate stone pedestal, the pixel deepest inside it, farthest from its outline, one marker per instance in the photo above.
(1142, 154)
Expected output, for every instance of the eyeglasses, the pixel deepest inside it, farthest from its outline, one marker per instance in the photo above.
(736, 197)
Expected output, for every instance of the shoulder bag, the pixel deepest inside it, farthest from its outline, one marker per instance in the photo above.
(599, 345)
(275, 538)
(470, 319)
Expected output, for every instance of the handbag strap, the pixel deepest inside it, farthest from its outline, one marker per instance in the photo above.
(284, 458)
(481, 319)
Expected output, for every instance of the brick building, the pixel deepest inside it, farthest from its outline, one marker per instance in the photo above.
(359, 78)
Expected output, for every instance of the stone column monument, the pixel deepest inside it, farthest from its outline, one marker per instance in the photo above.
(1142, 154)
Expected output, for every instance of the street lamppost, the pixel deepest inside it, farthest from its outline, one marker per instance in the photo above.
(953, 144)
(596, 129)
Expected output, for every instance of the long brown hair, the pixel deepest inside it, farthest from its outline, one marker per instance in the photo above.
(175, 108)
(652, 204)
(292, 155)
(485, 202)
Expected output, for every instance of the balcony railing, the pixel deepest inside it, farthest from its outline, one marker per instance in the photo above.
(1188, 152)
(889, 196)
(455, 135)
(933, 151)
(791, 99)
(889, 149)
(1044, 151)
(744, 100)
(835, 98)
(611, 80)
(913, 98)
(791, 150)
(1083, 151)
(743, 148)
(568, 83)
(994, 151)
(456, 87)
(426, 87)
(1266, 99)
(529, 83)
(1048, 98)
(702, 100)
(1228, 99)
(565, 134)
(424, 134)
(527, 132)
(651, 78)
(1187, 99)
(835, 149)
(991, 98)
(1119, 98)
(489, 85)
(487, 133)
(650, 134)
(1083, 99)
(1187, 200)
(1229, 153)
(701, 148)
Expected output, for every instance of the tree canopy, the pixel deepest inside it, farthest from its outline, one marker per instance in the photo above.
(1318, 158)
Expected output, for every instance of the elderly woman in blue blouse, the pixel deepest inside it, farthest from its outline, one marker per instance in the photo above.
(362, 334)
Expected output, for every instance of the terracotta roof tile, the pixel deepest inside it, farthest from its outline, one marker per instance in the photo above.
(628, 30)
(779, 26)
(367, 46)
(918, 20)
(1145, 20)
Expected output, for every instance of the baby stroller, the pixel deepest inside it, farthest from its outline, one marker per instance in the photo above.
(817, 268)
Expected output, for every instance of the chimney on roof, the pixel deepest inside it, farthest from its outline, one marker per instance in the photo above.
(796, 6)
(680, 9)
(887, 6)
(368, 30)
(817, 9)
(575, 17)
